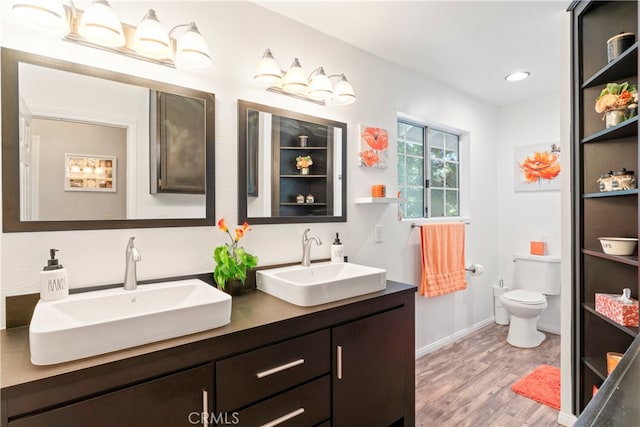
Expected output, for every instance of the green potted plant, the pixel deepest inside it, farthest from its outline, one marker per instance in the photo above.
(232, 261)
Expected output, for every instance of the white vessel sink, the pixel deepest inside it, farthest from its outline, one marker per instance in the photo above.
(91, 323)
(321, 283)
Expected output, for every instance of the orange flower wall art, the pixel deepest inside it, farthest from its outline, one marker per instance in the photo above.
(537, 167)
(374, 145)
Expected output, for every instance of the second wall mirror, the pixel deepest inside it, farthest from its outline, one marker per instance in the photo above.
(291, 166)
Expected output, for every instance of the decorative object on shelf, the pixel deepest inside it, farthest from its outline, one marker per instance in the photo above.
(315, 87)
(538, 248)
(303, 163)
(618, 102)
(622, 309)
(299, 198)
(613, 358)
(303, 140)
(623, 180)
(379, 190)
(99, 27)
(617, 44)
(605, 182)
(618, 245)
(537, 167)
(374, 144)
(310, 198)
(232, 261)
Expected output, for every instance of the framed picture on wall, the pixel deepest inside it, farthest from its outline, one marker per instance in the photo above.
(537, 167)
(89, 172)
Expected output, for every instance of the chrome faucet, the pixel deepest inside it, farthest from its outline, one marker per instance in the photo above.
(132, 256)
(306, 247)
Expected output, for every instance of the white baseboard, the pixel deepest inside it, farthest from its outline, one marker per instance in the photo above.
(451, 338)
(566, 419)
(552, 329)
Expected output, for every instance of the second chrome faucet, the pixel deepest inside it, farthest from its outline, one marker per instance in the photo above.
(132, 256)
(306, 247)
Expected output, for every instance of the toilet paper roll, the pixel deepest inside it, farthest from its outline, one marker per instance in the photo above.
(476, 269)
(501, 314)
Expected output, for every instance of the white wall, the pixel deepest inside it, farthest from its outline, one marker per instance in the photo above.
(237, 34)
(526, 216)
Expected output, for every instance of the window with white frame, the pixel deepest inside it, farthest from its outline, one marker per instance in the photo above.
(428, 171)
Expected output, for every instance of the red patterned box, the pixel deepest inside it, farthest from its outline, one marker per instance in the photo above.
(625, 314)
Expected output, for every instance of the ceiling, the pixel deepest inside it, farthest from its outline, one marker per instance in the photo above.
(469, 45)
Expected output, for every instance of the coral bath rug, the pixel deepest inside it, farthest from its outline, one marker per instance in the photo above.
(541, 385)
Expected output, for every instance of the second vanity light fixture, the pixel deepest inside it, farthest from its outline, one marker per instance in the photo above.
(100, 27)
(315, 87)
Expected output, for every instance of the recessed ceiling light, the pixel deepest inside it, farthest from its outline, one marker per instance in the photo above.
(517, 76)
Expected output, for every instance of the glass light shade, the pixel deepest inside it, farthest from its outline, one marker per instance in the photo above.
(192, 50)
(151, 38)
(295, 81)
(343, 92)
(320, 88)
(49, 14)
(268, 71)
(100, 25)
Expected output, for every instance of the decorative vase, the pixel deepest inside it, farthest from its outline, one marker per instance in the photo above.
(233, 287)
(614, 117)
(303, 139)
(304, 171)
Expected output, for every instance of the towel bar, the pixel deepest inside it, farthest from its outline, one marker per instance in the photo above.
(414, 225)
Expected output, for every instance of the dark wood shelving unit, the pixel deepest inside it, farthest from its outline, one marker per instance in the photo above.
(596, 150)
(288, 182)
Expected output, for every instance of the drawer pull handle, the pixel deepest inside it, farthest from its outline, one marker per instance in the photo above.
(339, 361)
(279, 368)
(284, 418)
(205, 407)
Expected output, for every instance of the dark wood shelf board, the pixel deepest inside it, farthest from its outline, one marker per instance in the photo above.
(591, 308)
(303, 176)
(623, 130)
(597, 366)
(619, 193)
(629, 260)
(302, 204)
(303, 148)
(624, 66)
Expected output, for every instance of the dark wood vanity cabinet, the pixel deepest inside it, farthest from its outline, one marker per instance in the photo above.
(347, 364)
(598, 149)
(174, 400)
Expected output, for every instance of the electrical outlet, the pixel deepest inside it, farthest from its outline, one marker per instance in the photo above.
(377, 234)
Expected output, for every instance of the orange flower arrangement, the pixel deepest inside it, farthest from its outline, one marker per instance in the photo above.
(540, 165)
(617, 96)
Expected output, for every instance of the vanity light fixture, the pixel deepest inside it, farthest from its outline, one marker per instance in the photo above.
(315, 87)
(100, 27)
(517, 76)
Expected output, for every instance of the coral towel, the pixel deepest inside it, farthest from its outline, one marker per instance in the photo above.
(442, 259)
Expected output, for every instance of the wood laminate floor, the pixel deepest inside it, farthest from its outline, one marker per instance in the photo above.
(468, 382)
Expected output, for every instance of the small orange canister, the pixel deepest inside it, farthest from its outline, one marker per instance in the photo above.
(378, 190)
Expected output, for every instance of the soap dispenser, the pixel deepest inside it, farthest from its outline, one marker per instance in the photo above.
(337, 251)
(53, 279)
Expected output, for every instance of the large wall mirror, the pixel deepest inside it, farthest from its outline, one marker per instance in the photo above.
(86, 148)
(291, 167)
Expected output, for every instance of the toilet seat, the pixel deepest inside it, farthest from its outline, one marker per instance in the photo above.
(523, 296)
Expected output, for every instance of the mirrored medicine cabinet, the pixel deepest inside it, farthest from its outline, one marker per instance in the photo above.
(291, 167)
(87, 148)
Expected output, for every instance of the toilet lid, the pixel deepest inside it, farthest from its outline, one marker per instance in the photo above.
(525, 297)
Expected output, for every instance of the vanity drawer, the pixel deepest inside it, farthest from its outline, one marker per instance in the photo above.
(255, 375)
(307, 405)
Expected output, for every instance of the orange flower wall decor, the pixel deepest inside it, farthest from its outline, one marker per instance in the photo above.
(374, 145)
(537, 167)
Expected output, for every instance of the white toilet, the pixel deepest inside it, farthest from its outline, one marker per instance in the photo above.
(534, 277)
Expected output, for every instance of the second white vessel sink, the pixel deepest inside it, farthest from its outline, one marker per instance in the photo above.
(91, 323)
(321, 283)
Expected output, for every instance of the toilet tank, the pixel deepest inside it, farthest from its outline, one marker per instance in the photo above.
(540, 273)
